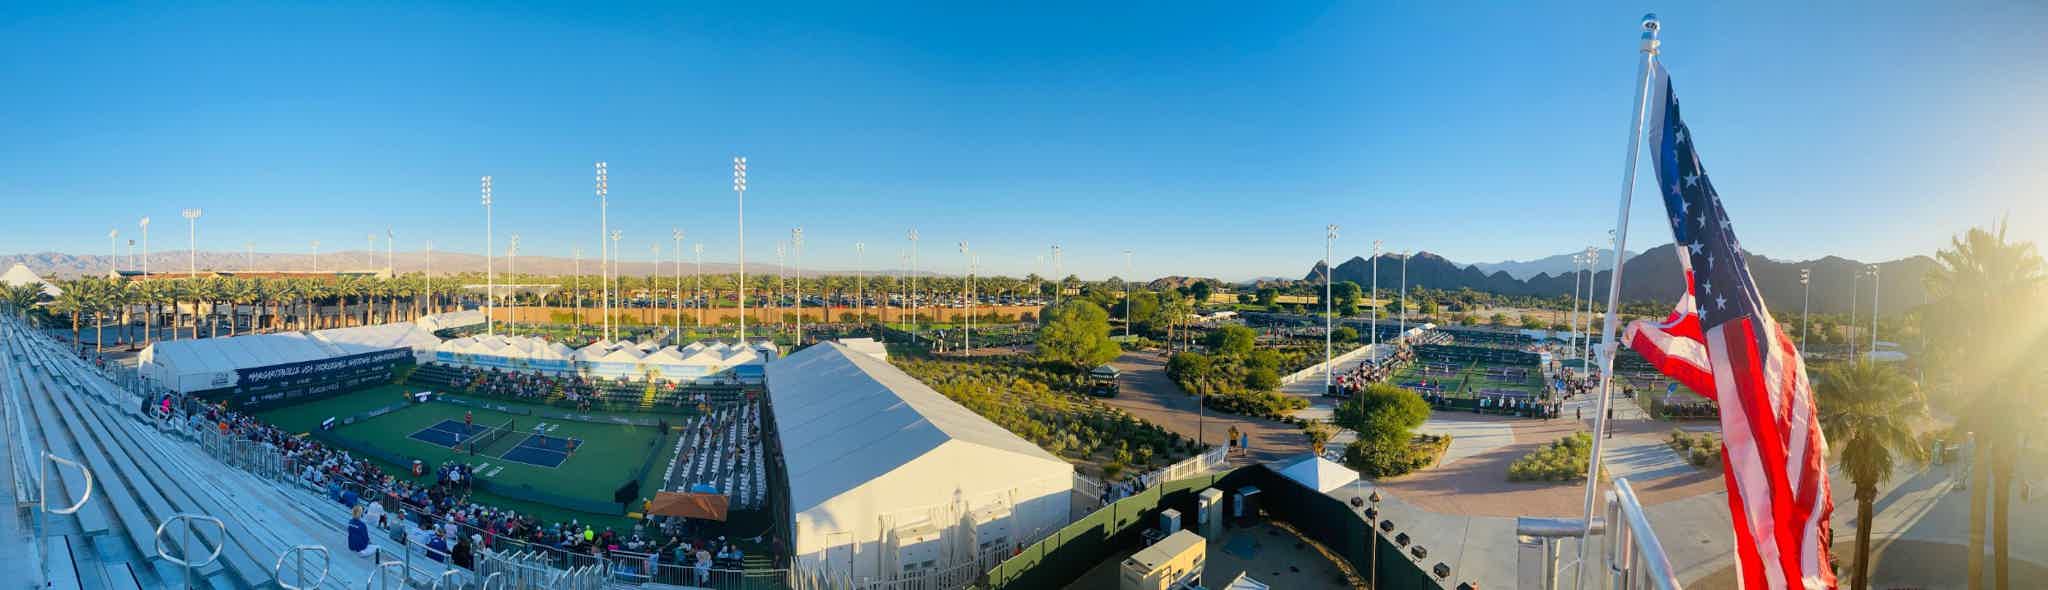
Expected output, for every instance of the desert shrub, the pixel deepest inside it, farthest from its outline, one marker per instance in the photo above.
(1564, 460)
(1702, 450)
(1259, 404)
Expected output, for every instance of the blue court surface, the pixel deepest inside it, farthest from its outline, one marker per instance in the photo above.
(448, 433)
(542, 450)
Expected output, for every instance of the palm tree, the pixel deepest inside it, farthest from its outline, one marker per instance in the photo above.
(75, 299)
(1988, 295)
(1867, 410)
(119, 295)
(239, 292)
(21, 298)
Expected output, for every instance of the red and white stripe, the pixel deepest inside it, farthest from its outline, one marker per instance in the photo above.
(1774, 460)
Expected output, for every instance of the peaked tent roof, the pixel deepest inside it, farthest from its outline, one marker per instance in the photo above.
(19, 274)
(1321, 474)
(846, 418)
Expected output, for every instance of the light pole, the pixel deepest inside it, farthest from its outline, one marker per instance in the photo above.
(192, 246)
(145, 245)
(1375, 299)
(781, 277)
(429, 281)
(602, 186)
(677, 234)
(1404, 295)
(512, 274)
(1127, 294)
(576, 256)
(316, 255)
(250, 249)
(860, 283)
(490, 266)
(698, 249)
(1592, 276)
(1875, 283)
(1805, 302)
(1329, 327)
(796, 245)
(1571, 330)
(967, 304)
(131, 253)
(390, 253)
(912, 295)
(1855, 295)
(1059, 283)
(617, 289)
(739, 186)
(113, 251)
(654, 253)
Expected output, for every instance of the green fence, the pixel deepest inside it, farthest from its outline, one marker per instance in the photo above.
(1063, 557)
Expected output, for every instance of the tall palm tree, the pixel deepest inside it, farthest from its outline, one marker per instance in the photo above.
(20, 298)
(239, 292)
(75, 299)
(1867, 409)
(119, 295)
(1988, 297)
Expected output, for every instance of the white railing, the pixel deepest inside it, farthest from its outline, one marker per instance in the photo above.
(1634, 557)
(1210, 460)
(1316, 370)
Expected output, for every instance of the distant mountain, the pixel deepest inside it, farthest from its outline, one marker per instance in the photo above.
(1560, 264)
(67, 266)
(1176, 282)
(1654, 276)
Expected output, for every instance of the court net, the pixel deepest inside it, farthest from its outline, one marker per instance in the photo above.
(491, 435)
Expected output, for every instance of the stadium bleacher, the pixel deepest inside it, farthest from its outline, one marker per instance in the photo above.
(722, 450)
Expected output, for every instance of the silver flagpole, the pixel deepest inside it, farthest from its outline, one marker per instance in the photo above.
(1607, 344)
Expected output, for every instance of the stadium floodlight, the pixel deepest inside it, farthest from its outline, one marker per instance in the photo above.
(113, 251)
(576, 280)
(490, 267)
(1404, 295)
(1875, 283)
(967, 301)
(512, 274)
(1586, 342)
(603, 188)
(1059, 283)
(781, 274)
(616, 289)
(1127, 294)
(1805, 300)
(860, 282)
(316, 255)
(390, 252)
(739, 187)
(250, 249)
(192, 248)
(677, 233)
(698, 249)
(911, 295)
(429, 282)
(145, 244)
(1329, 313)
(1375, 299)
(796, 245)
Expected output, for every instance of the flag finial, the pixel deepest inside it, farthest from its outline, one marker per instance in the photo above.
(1651, 26)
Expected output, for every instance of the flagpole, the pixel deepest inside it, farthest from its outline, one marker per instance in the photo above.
(1607, 344)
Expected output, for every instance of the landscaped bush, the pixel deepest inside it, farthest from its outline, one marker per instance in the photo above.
(1258, 404)
(1050, 408)
(1388, 455)
(1702, 450)
(1564, 460)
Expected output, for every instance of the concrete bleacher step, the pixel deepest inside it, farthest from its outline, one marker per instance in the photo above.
(139, 509)
(120, 576)
(60, 563)
(92, 518)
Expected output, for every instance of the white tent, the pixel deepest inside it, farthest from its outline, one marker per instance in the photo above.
(377, 337)
(210, 363)
(19, 274)
(1320, 474)
(884, 470)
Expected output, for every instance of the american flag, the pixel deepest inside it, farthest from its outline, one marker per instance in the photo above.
(1720, 341)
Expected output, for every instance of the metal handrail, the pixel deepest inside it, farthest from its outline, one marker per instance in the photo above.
(298, 552)
(438, 580)
(378, 573)
(186, 547)
(43, 485)
(503, 582)
(1634, 553)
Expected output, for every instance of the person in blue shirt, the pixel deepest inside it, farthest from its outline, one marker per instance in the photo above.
(358, 533)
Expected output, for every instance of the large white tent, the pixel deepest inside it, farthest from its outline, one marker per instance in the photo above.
(19, 274)
(887, 476)
(1320, 474)
(210, 363)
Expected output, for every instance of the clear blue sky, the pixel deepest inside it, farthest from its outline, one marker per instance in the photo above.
(1214, 139)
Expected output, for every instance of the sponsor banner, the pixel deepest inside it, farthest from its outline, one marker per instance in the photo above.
(311, 370)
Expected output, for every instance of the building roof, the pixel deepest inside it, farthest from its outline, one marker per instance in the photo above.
(846, 418)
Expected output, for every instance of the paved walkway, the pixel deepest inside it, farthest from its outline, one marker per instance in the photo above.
(1146, 392)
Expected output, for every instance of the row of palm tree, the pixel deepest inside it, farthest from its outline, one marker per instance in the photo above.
(178, 307)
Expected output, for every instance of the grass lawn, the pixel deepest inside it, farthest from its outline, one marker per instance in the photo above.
(608, 455)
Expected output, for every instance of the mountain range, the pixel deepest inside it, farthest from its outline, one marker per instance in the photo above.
(1552, 265)
(1654, 276)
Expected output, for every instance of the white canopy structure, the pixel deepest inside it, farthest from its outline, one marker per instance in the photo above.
(19, 274)
(454, 319)
(382, 337)
(1319, 474)
(888, 476)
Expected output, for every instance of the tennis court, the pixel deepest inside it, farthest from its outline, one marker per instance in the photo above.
(536, 465)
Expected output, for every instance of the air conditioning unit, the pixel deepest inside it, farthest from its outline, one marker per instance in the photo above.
(1169, 521)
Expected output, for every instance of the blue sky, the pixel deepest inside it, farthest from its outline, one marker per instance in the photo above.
(1211, 138)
